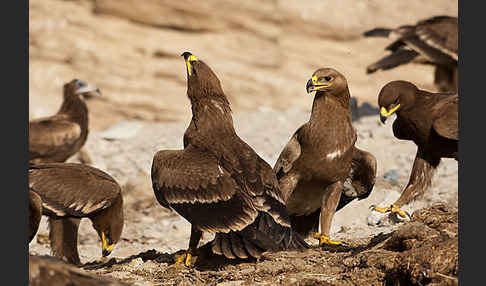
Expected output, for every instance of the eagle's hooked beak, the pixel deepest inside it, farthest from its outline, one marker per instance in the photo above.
(106, 247)
(88, 90)
(314, 85)
(384, 113)
(188, 57)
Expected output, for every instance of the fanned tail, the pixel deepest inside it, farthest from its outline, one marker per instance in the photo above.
(264, 234)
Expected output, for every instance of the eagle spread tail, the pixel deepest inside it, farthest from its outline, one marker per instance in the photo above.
(264, 234)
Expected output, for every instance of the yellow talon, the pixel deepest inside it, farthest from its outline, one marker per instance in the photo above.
(325, 240)
(381, 210)
(393, 209)
(185, 258)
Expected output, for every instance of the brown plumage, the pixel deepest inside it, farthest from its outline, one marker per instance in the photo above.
(58, 137)
(320, 161)
(431, 41)
(428, 119)
(35, 213)
(70, 192)
(218, 182)
(48, 270)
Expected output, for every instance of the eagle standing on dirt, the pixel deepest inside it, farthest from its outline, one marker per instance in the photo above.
(218, 182)
(431, 41)
(58, 137)
(70, 192)
(321, 158)
(428, 119)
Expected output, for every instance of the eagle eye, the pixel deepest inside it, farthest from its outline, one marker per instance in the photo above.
(328, 78)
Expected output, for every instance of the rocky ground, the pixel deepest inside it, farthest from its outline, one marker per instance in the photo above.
(152, 234)
(263, 52)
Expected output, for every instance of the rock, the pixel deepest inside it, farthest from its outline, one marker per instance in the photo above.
(136, 262)
(392, 176)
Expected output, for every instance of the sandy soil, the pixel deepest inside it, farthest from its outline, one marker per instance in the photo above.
(126, 152)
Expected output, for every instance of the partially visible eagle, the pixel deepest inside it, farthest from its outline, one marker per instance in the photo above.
(48, 270)
(70, 192)
(58, 137)
(35, 213)
(428, 119)
(218, 182)
(321, 160)
(431, 41)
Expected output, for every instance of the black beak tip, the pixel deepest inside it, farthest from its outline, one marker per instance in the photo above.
(105, 253)
(309, 87)
(382, 119)
(186, 55)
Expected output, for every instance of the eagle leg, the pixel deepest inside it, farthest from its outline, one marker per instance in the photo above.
(420, 179)
(187, 258)
(330, 201)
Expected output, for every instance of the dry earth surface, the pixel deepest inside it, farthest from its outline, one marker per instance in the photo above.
(263, 52)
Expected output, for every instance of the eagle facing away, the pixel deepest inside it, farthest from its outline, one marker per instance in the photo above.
(218, 183)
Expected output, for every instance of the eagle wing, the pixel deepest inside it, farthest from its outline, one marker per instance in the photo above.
(361, 179)
(198, 187)
(435, 38)
(48, 135)
(75, 190)
(288, 156)
(447, 122)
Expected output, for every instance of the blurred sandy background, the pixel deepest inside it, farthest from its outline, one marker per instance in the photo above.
(263, 51)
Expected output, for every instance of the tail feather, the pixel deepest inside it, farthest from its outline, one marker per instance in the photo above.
(216, 245)
(226, 247)
(378, 32)
(238, 246)
(252, 249)
(264, 234)
(397, 58)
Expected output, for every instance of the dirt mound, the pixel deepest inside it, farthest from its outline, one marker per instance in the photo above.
(423, 251)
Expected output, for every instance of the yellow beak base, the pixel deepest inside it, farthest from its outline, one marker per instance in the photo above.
(188, 63)
(386, 113)
(106, 249)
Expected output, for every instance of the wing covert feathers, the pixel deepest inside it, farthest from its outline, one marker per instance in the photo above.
(447, 123)
(72, 189)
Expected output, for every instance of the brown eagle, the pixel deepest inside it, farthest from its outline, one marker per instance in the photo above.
(58, 137)
(69, 192)
(218, 183)
(431, 41)
(321, 160)
(48, 270)
(428, 119)
(35, 213)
